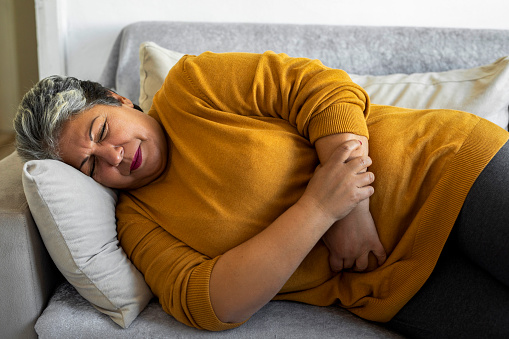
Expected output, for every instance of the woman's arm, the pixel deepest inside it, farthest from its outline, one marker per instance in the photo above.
(351, 239)
(248, 276)
(316, 100)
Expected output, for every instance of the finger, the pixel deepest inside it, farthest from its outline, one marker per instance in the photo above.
(380, 254)
(336, 265)
(344, 151)
(361, 263)
(363, 193)
(360, 164)
(364, 179)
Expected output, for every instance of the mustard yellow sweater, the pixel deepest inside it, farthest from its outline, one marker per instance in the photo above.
(241, 130)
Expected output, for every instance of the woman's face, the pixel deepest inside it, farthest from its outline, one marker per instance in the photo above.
(119, 147)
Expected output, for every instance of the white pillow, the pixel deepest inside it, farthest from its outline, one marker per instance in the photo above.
(482, 90)
(76, 219)
(155, 63)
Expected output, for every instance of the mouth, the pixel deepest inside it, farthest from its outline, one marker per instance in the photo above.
(136, 160)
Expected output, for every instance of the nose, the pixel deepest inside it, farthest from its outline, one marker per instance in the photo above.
(113, 155)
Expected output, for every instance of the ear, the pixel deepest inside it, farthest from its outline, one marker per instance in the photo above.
(122, 99)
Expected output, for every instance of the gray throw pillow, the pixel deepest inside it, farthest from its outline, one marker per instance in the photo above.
(76, 219)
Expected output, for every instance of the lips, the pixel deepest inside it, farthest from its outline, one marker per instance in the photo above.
(136, 160)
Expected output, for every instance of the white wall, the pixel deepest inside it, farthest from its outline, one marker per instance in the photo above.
(82, 31)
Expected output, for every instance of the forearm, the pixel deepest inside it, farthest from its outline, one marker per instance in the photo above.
(248, 276)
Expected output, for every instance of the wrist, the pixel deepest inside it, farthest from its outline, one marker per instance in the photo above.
(364, 204)
(358, 211)
(362, 207)
(312, 208)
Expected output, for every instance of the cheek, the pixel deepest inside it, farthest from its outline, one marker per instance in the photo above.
(107, 176)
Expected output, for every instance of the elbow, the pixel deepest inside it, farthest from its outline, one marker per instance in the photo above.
(226, 312)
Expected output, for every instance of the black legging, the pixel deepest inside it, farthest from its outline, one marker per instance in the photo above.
(467, 295)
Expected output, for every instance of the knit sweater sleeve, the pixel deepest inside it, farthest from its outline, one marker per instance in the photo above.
(315, 99)
(168, 265)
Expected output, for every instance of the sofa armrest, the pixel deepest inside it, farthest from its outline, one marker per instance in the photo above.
(27, 275)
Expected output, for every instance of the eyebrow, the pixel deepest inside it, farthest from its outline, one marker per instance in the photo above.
(91, 139)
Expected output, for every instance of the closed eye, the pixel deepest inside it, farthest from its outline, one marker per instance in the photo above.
(102, 134)
(93, 167)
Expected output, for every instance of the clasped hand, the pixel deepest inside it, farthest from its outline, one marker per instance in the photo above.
(337, 186)
(341, 188)
(352, 239)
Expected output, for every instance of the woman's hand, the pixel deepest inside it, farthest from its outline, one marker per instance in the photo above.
(339, 185)
(351, 240)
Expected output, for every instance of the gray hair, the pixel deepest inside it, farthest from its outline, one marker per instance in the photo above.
(47, 106)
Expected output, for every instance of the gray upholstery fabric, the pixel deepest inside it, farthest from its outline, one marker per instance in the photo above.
(27, 274)
(68, 315)
(360, 50)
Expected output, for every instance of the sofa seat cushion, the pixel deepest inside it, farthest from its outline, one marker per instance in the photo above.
(69, 315)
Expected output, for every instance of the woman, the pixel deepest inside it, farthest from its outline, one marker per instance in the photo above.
(245, 162)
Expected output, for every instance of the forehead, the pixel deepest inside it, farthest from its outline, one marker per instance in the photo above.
(79, 124)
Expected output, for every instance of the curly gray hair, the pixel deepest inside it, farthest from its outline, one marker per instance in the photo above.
(47, 106)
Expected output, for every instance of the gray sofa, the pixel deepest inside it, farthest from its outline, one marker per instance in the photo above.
(36, 301)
